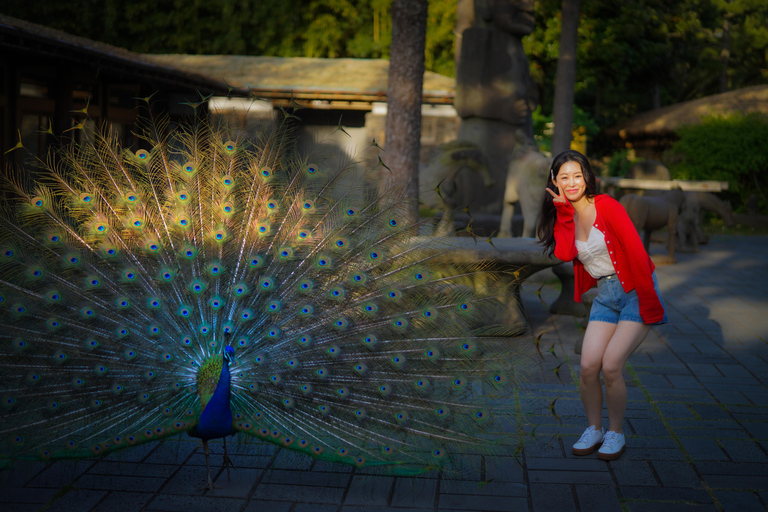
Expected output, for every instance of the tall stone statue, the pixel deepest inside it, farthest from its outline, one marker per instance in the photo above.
(495, 94)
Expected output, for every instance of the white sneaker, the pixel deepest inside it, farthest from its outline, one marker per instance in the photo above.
(613, 446)
(589, 441)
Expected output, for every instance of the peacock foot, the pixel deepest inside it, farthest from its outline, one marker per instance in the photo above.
(210, 486)
(227, 463)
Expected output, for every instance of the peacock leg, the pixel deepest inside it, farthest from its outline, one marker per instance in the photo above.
(227, 463)
(210, 486)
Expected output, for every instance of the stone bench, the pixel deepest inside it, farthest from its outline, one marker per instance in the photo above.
(512, 260)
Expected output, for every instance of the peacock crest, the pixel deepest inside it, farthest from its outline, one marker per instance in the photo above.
(131, 282)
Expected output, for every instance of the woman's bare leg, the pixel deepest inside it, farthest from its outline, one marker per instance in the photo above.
(626, 338)
(596, 340)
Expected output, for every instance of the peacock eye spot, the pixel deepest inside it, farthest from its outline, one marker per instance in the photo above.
(392, 222)
(374, 255)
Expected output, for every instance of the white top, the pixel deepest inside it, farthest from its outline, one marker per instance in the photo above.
(594, 255)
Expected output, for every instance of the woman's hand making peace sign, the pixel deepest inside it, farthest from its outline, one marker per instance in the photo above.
(558, 198)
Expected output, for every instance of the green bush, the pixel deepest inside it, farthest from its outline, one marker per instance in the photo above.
(730, 148)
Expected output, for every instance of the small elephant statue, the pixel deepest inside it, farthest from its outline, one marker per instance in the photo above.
(649, 213)
(690, 233)
(526, 180)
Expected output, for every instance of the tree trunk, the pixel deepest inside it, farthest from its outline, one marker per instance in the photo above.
(725, 55)
(565, 80)
(404, 95)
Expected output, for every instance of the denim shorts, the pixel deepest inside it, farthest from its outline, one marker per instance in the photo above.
(613, 304)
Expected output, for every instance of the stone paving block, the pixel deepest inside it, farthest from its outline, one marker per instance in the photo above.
(331, 467)
(77, 499)
(677, 411)
(503, 469)
(674, 473)
(755, 429)
(734, 371)
(655, 381)
(287, 459)
(582, 463)
(650, 442)
(569, 477)
(711, 412)
(314, 507)
(650, 427)
(315, 478)
(60, 473)
(298, 493)
(489, 488)
(691, 427)
(639, 453)
(703, 449)
(632, 492)
(751, 482)
(741, 501)
(704, 370)
(550, 497)
(355, 508)
(467, 502)
(170, 452)
(667, 506)
(119, 483)
(369, 490)
(239, 484)
(109, 467)
(743, 451)
(684, 382)
(414, 492)
(730, 397)
(188, 481)
(18, 495)
(134, 453)
(21, 472)
(597, 498)
(266, 505)
(729, 468)
(544, 449)
(124, 502)
(170, 503)
(631, 472)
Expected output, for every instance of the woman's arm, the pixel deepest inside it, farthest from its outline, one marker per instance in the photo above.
(637, 259)
(565, 232)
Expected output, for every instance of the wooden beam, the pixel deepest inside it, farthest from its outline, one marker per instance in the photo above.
(686, 185)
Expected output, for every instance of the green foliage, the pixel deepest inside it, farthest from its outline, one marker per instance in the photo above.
(726, 148)
(619, 162)
(311, 28)
(543, 127)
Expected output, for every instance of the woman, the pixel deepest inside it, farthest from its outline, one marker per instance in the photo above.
(594, 231)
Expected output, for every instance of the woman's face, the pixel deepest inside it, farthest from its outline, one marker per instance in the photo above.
(570, 180)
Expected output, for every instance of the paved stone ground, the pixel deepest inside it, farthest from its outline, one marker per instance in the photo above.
(696, 425)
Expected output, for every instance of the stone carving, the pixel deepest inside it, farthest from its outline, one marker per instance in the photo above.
(495, 94)
(649, 213)
(438, 178)
(689, 231)
(526, 180)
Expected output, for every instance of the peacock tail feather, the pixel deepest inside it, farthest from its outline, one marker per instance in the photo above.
(124, 274)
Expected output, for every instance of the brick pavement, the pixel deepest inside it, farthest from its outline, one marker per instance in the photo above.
(696, 425)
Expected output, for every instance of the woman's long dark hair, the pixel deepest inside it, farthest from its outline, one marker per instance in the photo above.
(546, 226)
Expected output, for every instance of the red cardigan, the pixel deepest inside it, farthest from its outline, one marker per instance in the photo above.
(630, 260)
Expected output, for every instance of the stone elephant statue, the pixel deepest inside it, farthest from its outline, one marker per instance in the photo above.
(649, 213)
(526, 180)
(690, 234)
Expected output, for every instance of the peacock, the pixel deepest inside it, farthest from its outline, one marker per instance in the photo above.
(217, 282)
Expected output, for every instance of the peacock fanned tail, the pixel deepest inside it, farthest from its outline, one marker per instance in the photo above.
(124, 274)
